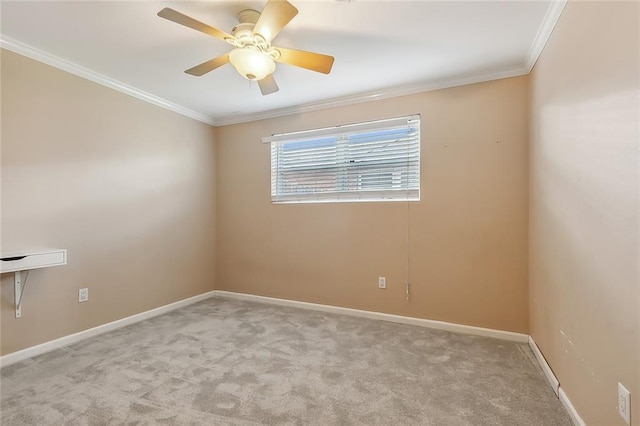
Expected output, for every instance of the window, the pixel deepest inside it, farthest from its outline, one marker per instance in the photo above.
(374, 161)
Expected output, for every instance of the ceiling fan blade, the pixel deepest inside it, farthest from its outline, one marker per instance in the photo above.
(275, 15)
(179, 18)
(268, 85)
(309, 60)
(208, 66)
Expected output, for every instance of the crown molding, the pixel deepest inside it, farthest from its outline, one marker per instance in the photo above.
(535, 50)
(374, 96)
(542, 36)
(70, 67)
(544, 32)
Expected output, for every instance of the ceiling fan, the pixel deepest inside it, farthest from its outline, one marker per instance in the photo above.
(253, 56)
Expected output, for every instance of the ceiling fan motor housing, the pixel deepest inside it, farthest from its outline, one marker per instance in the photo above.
(247, 20)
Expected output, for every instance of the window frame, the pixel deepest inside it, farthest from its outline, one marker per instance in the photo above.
(409, 191)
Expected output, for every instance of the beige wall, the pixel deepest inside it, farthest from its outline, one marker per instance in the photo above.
(467, 236)
(584, 282)
(137, 193)
(126, 187)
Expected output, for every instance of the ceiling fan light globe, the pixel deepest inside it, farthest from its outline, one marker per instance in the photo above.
(252, 64)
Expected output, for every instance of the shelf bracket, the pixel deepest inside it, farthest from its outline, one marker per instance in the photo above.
(17, 291)
(25, 261)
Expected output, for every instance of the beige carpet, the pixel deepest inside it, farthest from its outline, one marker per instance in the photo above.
(225, 362)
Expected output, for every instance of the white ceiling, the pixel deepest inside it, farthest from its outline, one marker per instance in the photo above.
(380, 48)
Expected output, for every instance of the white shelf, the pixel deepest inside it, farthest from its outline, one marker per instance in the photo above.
(19, 261)
(26, 260)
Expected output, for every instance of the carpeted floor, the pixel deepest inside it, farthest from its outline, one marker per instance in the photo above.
(222, 362)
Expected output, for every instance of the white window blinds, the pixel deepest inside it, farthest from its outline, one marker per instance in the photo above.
(371, 161)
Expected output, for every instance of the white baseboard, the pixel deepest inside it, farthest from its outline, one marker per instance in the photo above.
(555, 384)
(553, 381)
(21, 355)
(440, 325)
(566, 403)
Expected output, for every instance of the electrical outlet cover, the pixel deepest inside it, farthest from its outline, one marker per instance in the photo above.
(624, 403)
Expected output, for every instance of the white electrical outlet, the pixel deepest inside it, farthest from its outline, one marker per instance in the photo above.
(83, 295)
(382, 282)
(624, 403)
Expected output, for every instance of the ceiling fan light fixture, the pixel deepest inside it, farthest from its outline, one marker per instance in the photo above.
(252, 64)
(252, 55)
